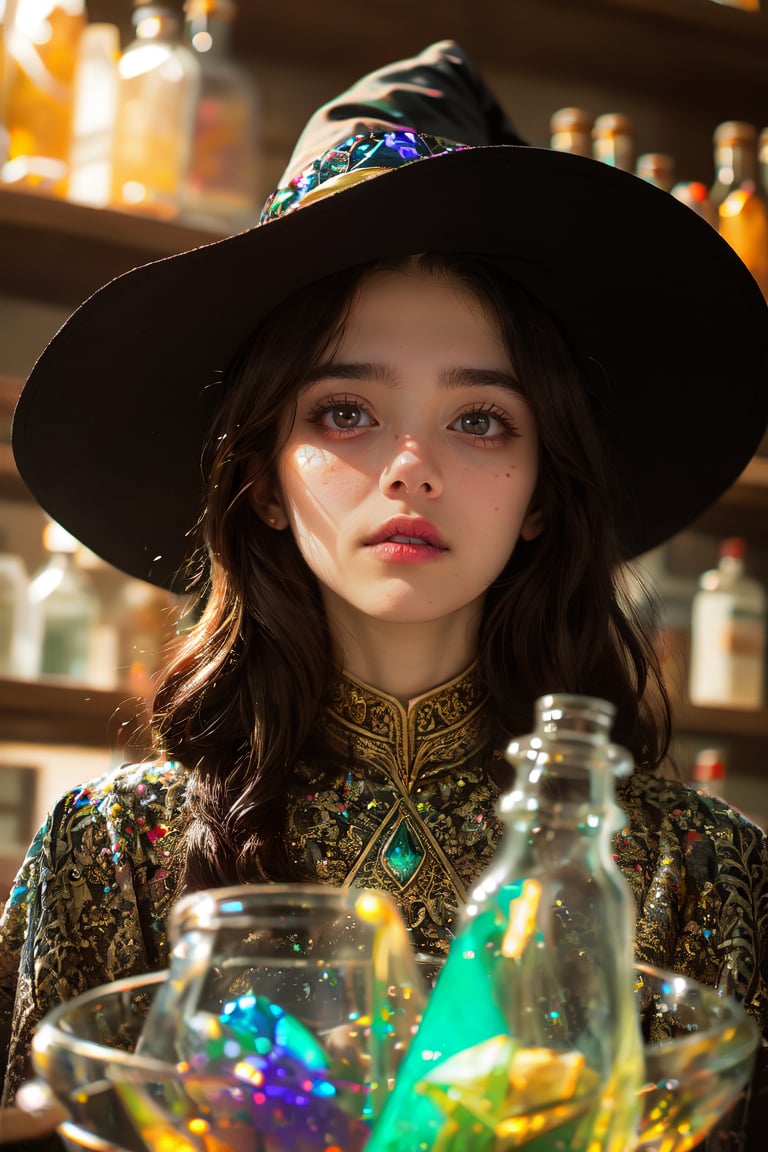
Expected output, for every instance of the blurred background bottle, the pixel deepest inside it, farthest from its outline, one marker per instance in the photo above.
(145, 628)
(709, 772)
(696, 195)
(727, 665)
(656, 168)
(94, 108)
(14, 584)
(41, 40)
(7, 15)
(742, 208)
(158, 83)
(64, 611)
(570, 130)
(613, 141)
(222, 183)
(762, 162)
(735, 158)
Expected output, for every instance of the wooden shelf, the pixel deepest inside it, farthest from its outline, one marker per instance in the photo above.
(721, 722)
(61, 252)
(48, 712)
(743, 509)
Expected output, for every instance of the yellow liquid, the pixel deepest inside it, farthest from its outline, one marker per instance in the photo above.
(40, 60)
(743, 222)
(155, 117)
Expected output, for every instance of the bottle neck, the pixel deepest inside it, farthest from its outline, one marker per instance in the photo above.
(734, 165)
(161, 24)
(618, 151)
(209, 35)
(566, 767)
(731, 566)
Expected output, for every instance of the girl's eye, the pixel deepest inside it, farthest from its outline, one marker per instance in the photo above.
(481, 422)
(342, 416)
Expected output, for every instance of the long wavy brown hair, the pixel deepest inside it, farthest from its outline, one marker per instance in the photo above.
(240, 699)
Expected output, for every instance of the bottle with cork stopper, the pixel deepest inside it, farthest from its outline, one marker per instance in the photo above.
(728, 634)
(613, 141)
(708, 772)
(570, 130)
(656, 168)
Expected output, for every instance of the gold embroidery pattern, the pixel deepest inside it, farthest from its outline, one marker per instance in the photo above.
(401, 800)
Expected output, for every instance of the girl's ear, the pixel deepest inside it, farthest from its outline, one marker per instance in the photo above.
(533, 525)
(267, 503)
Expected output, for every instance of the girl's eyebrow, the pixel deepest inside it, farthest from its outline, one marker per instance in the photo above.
(337, 370)
(450, 378)
(489, 377)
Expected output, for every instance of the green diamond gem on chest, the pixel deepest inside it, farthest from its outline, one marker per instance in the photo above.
(402, 854)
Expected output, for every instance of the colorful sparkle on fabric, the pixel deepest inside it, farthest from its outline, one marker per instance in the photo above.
(356, 156)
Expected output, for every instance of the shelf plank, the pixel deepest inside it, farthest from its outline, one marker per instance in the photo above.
(721, 722)
(48, 712)
(61, 252)
(45, 711)
(743, 509)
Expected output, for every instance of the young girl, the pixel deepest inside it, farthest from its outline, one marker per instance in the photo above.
(401, 438)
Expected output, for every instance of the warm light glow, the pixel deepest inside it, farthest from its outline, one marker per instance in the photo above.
(141, 60)
(522, 919)
(734, 203)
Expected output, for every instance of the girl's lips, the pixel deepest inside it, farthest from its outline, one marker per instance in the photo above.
(402, 550)
(408, 532)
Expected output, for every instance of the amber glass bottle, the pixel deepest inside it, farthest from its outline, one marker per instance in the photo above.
(158, 82)
(741, 205)
(40, 48)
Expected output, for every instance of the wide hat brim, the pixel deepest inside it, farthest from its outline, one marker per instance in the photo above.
(108, 430)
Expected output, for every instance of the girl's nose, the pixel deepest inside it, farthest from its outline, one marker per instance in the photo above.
(411, 470)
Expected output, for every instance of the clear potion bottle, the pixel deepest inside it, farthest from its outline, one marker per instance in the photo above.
(531, 1036)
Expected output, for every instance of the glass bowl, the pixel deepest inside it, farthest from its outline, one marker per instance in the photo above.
(700, 1048)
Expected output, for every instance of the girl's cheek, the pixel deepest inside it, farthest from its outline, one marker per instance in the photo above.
(309, 458)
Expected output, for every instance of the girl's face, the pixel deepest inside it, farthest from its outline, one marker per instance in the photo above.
(408, 475)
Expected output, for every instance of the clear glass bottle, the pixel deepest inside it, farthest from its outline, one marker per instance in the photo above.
(316, 985)
(145, 629)
(64, 611)
(222, 181)
(94, 111)
(762, 161)
(656, 168)
(40, 48)
(709, 772)
(570, 130)
(158, 83)
(531, 1036)
(14, 583)
(727, 666)
(696, 195)
(613, 141)
(735, 158)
